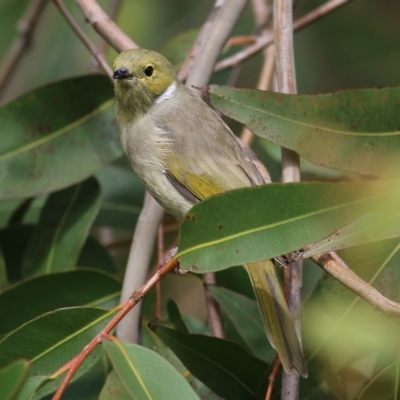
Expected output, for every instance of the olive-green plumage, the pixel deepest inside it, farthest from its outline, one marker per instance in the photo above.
(183, 153)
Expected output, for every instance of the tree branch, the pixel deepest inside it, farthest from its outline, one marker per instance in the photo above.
(25, 27)
(332, 264)
(138, 262)
(104, 26)
(265, 41)
(84, 39)
(286, 81)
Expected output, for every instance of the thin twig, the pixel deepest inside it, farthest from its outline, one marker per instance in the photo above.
(25, 27)
(104, 26)
(102, 44)
(286, 81)
(213, 312)
(272, 378)
(73, 365)
(262, 15)
(265, 41)
(84, 39)
(160, 262)
(337, 268)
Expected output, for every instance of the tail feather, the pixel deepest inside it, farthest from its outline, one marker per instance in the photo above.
(278, 324)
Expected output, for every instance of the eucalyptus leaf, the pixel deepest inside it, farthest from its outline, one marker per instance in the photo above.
(375, 226)
(113, 389)
(121, 197)
(62, 230)
(57, 135)
(53, 339)
(12, 378)
(384, 385)
(30, 386)
(224, 231)
(356, 130)
(225, 367)
(245, 316)
(174, 315)
(81, 287)
(140, 370)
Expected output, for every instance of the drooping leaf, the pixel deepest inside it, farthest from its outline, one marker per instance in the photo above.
(81, 287)
(95, 255)
(62, 229)
(334, 313)
(224, 366)
(153, 342)
(3, 272)
(245, 316)
(53, 339)
(140, 370)
(281, 219)
(113, 389)
(356, 130)
(30, 386)
(384, 385)
(12, 378)
(14, 241)
(57, 135)
(121, 197)
(174, 315)
(375, 226)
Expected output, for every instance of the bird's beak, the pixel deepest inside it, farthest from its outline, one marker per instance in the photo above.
(122, 73)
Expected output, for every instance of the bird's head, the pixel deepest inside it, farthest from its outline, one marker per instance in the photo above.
(141, 77)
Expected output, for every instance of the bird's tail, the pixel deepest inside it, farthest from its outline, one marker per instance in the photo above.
(278, 324)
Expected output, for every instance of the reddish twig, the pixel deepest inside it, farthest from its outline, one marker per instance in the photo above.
(213, 313)
(73, 365)
(265, 41)
(272, 377)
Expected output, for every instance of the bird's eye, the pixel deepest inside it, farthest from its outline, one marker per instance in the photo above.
(149, 71)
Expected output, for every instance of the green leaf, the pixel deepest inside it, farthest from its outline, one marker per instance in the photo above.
(53, 339)
(245, 316)
(375, 226)
(81, 287)
(62, 230)
(224, 231)
(384, 385)
(153, 342)
(224, 366)
(334, 313)
(140, 370)
(12, 378)
(95, 255)
(13, 241)
(113, 389)
(57, 135)
(30, 386)
(355, 130)
(174, 315)
(3, 273)
(121, 197)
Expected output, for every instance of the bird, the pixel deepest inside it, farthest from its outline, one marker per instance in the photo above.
(183, 153)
